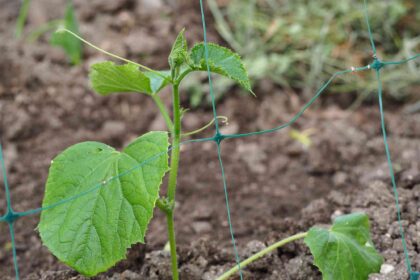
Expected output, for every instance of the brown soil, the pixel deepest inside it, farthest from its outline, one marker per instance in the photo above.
(277, 187)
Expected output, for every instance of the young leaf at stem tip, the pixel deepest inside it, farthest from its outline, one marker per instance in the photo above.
(107, 78)
(115, 194)
(179, 52)
(71, 45)
(221, 61)
(345, 251)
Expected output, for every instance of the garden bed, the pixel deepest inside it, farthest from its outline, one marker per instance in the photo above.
(277, 186)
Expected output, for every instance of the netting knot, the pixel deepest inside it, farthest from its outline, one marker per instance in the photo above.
(414, 275)
(11, 216)
(377, 64)
(218, 137)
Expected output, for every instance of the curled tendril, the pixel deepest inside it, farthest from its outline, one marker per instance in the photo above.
(224, 120)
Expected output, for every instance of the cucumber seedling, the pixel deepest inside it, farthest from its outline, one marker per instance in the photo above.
(343, 251)
(121, 188)
(99, 201)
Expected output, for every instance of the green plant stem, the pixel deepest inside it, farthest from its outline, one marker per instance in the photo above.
(164, 112)
(172, 244)
(262, 253)
(23, 14)
(176, 138)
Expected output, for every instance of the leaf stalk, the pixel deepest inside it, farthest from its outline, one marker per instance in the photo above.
(62, 29)
(261, 254)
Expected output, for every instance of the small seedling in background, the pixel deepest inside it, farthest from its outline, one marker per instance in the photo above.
(303, 137)
(8, 246)
(111, 195)
(344, 251)
(71, 45)
(23, 15)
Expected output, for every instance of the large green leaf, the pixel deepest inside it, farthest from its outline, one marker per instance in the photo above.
(71, 45)
(345, 251)
(221, 61)
(93, 231)
(107, 78)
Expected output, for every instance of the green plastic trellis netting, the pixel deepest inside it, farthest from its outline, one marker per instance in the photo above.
(376, 66)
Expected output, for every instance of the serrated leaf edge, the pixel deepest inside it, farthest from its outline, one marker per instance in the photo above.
(245, 84)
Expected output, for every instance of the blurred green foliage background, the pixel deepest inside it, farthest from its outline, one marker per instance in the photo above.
(299, 44)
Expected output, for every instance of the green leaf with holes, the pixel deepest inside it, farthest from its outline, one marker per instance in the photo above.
(107, 199)
(222, 61)
(71, 45)
(107, 78)
(345, 251)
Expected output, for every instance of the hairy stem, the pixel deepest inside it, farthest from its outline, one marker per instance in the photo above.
(262, 253)
(176, 138)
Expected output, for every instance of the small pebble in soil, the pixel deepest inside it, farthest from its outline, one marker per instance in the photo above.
(232, 128)
(336, 214)
(386, 268)
(398, 272)
(201, 226)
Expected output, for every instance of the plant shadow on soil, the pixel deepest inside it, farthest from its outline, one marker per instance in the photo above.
(277, 187)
